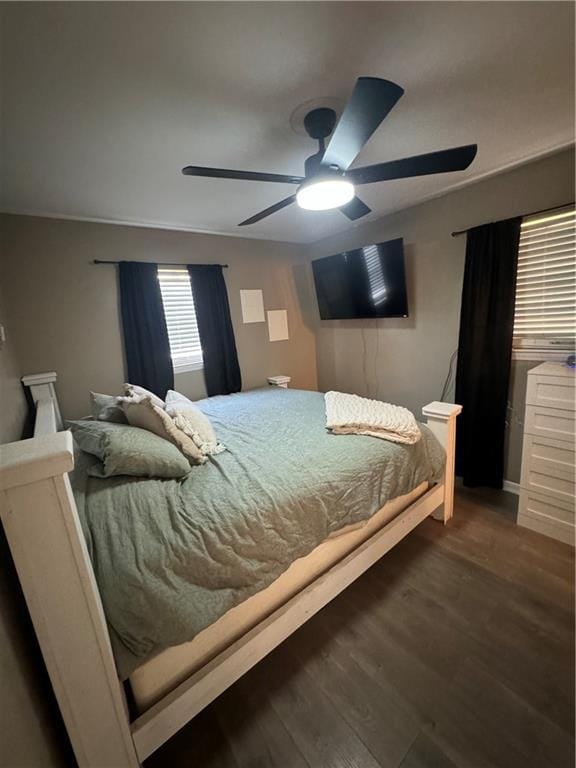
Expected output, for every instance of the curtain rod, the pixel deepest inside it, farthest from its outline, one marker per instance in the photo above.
(103, 261)
(532, 213)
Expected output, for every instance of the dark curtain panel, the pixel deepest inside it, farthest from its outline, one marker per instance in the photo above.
(221, 368)
(146, 342)
(485, 351)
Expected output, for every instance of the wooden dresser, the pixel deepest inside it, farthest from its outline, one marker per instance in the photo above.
(547, 502)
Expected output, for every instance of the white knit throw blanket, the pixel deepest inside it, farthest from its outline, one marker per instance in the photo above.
(351, 414)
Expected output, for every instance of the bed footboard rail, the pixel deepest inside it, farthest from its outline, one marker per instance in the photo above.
(39, 515)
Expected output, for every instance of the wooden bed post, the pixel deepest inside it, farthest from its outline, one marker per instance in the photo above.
(41, 386)
(41, 523)
(441, 419)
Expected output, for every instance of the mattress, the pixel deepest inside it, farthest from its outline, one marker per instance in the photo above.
(165, 671)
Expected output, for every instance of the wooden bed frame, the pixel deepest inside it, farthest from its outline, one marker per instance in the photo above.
(43, 530)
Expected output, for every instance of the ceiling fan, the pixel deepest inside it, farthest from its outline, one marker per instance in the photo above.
(327, 183)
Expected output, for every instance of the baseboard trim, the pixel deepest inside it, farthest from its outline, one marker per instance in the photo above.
(508, 485)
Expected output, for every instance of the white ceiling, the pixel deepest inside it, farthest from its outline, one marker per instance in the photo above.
(103, 103)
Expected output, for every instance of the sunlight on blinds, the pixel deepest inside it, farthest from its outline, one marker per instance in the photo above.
(546, 289)
(378, 289)
(180, 314)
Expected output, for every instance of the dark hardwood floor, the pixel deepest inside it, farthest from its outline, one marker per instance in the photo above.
(455, 650)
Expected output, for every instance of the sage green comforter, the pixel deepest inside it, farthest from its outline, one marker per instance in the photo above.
(172, 556)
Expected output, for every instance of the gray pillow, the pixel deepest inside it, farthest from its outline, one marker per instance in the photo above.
(126, 450)
(106, 408)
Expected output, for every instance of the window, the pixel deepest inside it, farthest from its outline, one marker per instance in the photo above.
(180, 314)
(545, 310)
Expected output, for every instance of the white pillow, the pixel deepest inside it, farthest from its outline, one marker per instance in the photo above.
(142, 412)
(133, 390)
(190, 419)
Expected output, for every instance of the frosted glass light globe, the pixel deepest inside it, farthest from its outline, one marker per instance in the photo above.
(325, 194)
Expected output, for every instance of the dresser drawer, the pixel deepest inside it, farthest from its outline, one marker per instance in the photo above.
(548, 467)
(552, 517)
(551, 391)
(549, 422)
(558, 487)
(555, 458)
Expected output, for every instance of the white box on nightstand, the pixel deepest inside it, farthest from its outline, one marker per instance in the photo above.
(279, 381)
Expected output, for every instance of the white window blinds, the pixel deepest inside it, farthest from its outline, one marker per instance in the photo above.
(545, 309)
(180, 316)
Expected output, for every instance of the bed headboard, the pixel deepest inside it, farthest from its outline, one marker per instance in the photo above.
(43, 391)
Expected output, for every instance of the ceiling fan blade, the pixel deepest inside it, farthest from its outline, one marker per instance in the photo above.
(268, 211)
(371, 101)
(226, 173)
(355, 209)
(457, 159)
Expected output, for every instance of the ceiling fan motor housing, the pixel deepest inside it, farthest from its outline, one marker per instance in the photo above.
(319, 123)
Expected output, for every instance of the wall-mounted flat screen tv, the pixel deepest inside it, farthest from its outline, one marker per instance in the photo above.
(363, 283)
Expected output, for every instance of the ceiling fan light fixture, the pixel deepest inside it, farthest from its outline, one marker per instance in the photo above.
(324, 194)
(328, 183)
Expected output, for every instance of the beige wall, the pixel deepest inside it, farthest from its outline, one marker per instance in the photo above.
(406, 361)
(29, 723)
(12, 400)
(65, 309)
